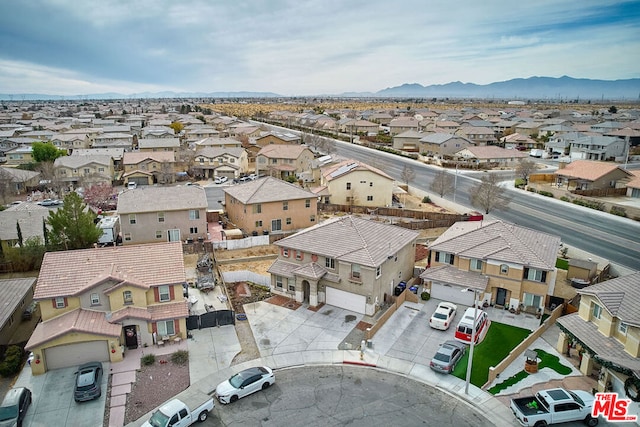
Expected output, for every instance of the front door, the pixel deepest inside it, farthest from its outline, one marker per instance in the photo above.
(306, 290)
(130, 337)
(501, 296)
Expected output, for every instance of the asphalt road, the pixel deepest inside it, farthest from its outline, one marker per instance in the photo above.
(345, 395)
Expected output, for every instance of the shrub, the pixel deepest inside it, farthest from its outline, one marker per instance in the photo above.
(531, 189)
(426, 199)
(589, 204)
(148, 359)
(180, 357)
(520, 183)
(425, 296)
(545, 193)
(12, 361)
(617, 210)
(565, 199)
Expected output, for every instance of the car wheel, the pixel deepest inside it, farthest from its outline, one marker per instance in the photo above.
(233, 398)
(203, 416)
(590, 421)
(266, 385)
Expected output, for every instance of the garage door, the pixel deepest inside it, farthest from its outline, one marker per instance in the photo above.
(63, 356)
(346, 300)
(452, 294)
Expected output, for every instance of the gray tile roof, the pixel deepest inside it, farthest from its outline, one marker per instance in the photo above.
(619, 296)
(30, 217)
(79, 161)
(500, 241)
(12, 292)
(268, 189)
(351, 239)
(452, 276)
(155, 199)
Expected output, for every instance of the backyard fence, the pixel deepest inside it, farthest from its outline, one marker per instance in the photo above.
(246, 276)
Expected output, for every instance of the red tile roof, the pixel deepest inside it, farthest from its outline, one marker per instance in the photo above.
(130, 313)
(165, 311)
(588, 169)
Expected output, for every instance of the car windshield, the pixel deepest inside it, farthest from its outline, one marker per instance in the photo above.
(158, 419)
(85, 380)
(440, 316)
(236, 380)
(8, 412)
(441, 357)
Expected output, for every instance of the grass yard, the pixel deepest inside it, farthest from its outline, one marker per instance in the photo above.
(500, 340)
(562, 264)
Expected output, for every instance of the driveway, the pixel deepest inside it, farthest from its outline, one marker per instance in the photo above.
(53, 402)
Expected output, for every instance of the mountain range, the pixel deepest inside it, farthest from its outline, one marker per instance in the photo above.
(533, 88)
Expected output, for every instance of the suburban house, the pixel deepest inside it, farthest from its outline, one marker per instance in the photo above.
(408, 140)
(159, 144)
(489, 156)
(211, 161)
(511, 266)
(480, 135)
(113, 140)
(31, 218)
(20, 155)
(281, 161)
(403, 124)
(519, 141)
(633, 186)
(355, 127)
(70, 141)
(598, 148)
(160, 214)
(146, 168)
(442, 144)
(116, 154)
(528, 128)
(270, 205)
(18, 180)
(592, 175)
(278, 138)
(348, 262)
(351, 182)
(17, 298)
(217, 142)
(606, 331)
(95, 303)
(84, 170)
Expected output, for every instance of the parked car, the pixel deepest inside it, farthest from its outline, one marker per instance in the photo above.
(447, 356)
(244, 383)
(178, 413)
(88, 382)
(554, 406)
(443, 316)
(244, 179)
(400, 287)
(132, 185)
(14, 406)
(220, 180)
(49, 202)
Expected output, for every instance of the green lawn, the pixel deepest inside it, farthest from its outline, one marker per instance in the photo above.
(500, 340)
(562, 264)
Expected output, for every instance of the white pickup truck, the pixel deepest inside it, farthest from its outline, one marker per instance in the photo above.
(553, 406)
(176, 413)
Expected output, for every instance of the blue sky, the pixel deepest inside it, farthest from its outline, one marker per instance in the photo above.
(73, 47)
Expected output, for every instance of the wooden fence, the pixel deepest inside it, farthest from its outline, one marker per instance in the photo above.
(601, 192)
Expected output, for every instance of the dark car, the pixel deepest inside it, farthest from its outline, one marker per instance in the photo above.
(400, 287)
(88, 382)
(14, 407)
(447, 356)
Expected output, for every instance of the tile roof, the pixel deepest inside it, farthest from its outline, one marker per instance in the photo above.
(351, 239)
(211, 151)
(79, 161)
(346, 166)
(268, 189)
(493, 152)
(28, 215)
(78, 320)
(282, 151)
(129, 312)
(453, 276)
(71, 272)
(620, 297)
(588, 169)
(147, 198)
(167, 311)
(500, 241)
(12, 292)
(133, 158)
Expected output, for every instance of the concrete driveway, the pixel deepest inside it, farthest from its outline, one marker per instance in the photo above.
(53, 402)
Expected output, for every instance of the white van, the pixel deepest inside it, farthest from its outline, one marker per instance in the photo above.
(464, 330)
(131, 185)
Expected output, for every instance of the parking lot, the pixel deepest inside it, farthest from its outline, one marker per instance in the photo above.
(53, 402)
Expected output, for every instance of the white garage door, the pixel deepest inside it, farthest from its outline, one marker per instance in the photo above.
(346, 300)
(452, 294)
(63, 356)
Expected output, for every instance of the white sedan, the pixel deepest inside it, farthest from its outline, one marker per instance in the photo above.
(443, 316)
(244, 383)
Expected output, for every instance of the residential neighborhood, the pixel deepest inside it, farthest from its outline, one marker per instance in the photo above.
(221, 224)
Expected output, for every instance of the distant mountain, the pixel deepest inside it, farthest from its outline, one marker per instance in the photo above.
(562, 88)
(141, 95)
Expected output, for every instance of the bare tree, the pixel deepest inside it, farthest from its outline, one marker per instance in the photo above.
(408, 174)
(442, 183)
(488, 194)
(319, 144)
(524, 169)
(184, 160)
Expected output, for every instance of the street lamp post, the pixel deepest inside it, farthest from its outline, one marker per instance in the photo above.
(473, 339)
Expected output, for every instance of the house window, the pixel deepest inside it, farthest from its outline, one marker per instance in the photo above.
(476, 264)
(355, 271)
(369, 198)
(622, 328)
(258, 224)
(60, 302)
(87, 171)
(348, 186)
(312, 218)
(378, 271)
(257, 208)
(279, 282)
(531, 300)
(504, 269)
(276, 224)
(100, 169)
(132, 219)
(299, 255)
(535, 275)
(95, 299)
(158, 234)
(163, 293)
(160, 216)
(166, 328)
(444, 257)
(291, 283)
(127, 237)
(285, 206)
(307, 203)
(288, 221)
(285, 253)
(194, 214)
(371, 184)
(330, 263)
(597, 311)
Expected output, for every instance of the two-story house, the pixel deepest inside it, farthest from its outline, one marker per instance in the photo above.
(84, 170)
(512, 266)
(607, 330)
(159, 144)
(278, 138)
(113, 140)
(348, 262)
(97, 302)
(442, 144)
(159, 214)
(17, 297)
(31, 218)
(355, 183)
(145, 168)
(270, 204)
(282, 161)
(212, 161)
